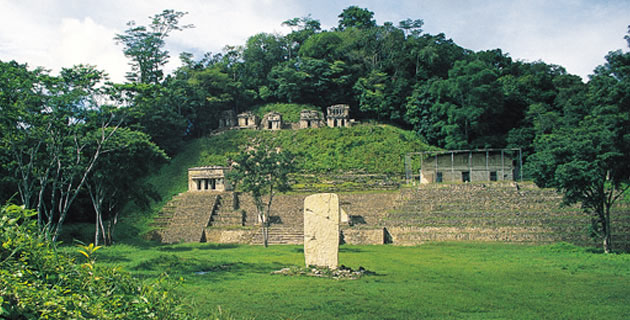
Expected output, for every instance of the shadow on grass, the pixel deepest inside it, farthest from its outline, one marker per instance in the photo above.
(110, 258)
(210, 246)
(211, 270)
(341, 249)
(346, 249)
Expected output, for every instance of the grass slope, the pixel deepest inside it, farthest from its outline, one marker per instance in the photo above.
(433, 281)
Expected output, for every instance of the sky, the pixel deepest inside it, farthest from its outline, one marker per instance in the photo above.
(576, 34)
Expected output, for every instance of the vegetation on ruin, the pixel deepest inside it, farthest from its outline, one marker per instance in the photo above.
(290, 111)
(435, 280)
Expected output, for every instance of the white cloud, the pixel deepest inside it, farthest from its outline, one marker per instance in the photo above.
(86, 42)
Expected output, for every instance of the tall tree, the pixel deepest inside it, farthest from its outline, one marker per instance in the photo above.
(588, 158)
(144, 45)
(47, 141)
(110, 186)
(263, 172)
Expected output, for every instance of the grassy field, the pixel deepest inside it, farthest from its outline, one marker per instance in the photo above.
(438, 280)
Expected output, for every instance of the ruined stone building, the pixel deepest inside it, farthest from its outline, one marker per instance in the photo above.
(227, 119)
(470, 165)
(338, 116)
(210, 178)
(247, 120)
(311, 119)
(271, 121)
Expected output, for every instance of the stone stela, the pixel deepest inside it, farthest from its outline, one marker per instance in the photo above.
(208, 179)
(321, 230)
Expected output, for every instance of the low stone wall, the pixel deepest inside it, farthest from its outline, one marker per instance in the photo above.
(362, 236)
(230, 235)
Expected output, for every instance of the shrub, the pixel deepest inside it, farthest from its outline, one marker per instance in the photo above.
(37, 282)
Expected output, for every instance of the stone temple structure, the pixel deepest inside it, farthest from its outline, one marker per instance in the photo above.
(227, 119)
(247, 120)
(201, 179)
(311, 119)
(271, 121)
(470, 165)
(338, 115)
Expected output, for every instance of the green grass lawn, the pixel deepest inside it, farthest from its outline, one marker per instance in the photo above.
(437, 280)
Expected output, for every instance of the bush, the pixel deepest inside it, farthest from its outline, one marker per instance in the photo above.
(37, 282)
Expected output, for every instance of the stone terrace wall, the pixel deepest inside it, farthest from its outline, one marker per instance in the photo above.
(435, 212)
(495, 212)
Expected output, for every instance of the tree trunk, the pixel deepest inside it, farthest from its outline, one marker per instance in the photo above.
(607, 232)
(265, 234)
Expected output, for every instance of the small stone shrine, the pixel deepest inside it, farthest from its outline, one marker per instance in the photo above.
(311, 119)
(247, 120)
(338, 115)
(321, 230)
(272, 121)
(227, 119)
(211, 178)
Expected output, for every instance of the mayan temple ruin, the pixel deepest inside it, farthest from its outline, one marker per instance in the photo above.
(337, 116)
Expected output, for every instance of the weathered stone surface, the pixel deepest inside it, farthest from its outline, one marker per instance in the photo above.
(363, 236)
(321, 230)
(344, 218)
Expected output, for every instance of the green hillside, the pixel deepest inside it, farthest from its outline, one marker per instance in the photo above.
(367, 148)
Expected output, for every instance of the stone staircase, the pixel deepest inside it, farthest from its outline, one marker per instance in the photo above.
(184, 218)
(236, 210)
(226, 212)
(281, 234)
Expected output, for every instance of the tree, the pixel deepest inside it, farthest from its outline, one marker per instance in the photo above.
(145, 45)
(262, 171)
(355, 17)
(302, 29)
(588, 158)
(47, 131)
(126, 157)
(153, 109)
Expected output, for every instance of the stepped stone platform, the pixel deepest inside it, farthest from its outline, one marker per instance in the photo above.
(497, 211)
(184, 218)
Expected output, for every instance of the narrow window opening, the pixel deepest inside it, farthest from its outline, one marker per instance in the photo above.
(438, 177)
(493, 176)
(466, 176)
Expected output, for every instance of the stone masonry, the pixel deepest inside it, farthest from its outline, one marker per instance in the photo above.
(210, 178)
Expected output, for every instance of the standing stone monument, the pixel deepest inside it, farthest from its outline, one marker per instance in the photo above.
(321, 230)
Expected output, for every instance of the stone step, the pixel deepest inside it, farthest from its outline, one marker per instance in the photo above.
(222, 220)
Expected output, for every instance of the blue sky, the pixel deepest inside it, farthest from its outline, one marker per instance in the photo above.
(576, 34)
